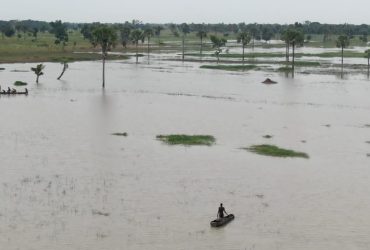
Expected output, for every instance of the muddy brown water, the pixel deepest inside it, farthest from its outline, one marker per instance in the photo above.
(66, 183)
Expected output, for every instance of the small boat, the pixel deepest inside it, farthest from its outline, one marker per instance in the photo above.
(269, 81)
(222, 221)
(14, 93)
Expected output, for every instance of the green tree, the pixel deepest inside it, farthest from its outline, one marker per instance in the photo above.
(218, 43)
(157, 32)
(125, 32)
(342, 43)
(367, 55)
(136, 36)
(105, 37)
(244, 38)
(201, 34)
(148, 33)
(59, 30)
(38, 71)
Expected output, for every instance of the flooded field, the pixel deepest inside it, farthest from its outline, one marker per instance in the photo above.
(67, 183)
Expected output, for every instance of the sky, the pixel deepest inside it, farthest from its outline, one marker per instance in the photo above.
(197, 11)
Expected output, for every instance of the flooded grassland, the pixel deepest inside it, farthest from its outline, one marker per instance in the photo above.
(67, 183)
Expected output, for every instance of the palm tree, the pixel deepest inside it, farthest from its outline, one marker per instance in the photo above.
(244, 38)
(136, 36)
(64, 62)
(148, 33)
(218, 43)
(296, 38)
(285, 36)
(184, 29)
(106, 37)
(157, 32)
(367, 55)
(38, 71)
(201, 34)
(342, 42)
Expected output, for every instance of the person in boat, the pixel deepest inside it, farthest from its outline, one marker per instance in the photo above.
(14, 91)
(9, 90)
(26, 91)
(221, 211)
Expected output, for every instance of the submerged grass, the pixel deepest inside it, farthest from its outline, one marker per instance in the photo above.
(20, 83)
(187, 140)
(230, 67)
(271, 150)
(120, 134)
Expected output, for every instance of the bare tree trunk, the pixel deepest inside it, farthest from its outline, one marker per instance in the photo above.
(342, 59)
(64, 70)
(368, 67)
(183, 47)
(201, 47)
(37, 79)
(287, 52)
(293, 58)
(137, 53)
(148, 49)
(243, 52)
(104, 54)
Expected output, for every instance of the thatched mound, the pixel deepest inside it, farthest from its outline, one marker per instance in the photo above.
(269, 81)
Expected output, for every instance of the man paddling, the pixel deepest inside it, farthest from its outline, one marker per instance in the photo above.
(221, 211)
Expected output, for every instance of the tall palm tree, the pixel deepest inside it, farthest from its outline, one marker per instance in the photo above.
(296, 38)
(342, 42)
(367, 55)
(136, 36)
(201, 34)
(148, 33)
(184, 29)
(244, 38)
(105, 37)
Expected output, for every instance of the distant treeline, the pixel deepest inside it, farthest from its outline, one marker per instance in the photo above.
(9, 28)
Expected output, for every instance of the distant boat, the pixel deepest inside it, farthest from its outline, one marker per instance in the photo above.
(222, 221)
(13, 93)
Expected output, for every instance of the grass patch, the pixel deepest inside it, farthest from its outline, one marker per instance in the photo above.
(268, 136)
(230, 67)
(284, 69)
(307, 64)
(187, 140)
(20, 83)
(271, 150)
(120, 134)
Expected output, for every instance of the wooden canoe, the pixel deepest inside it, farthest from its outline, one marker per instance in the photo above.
(222, 221)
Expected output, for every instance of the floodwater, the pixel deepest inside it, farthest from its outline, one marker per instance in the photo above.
(67, 183)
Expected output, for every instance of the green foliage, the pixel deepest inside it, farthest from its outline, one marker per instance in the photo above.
(271, 150)
(244, 38)
(105, 37)
(343, 41)
(38, 69)
(187, 140)
(60, 32)
(20, 83)
(230, 67)
(136, 36)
